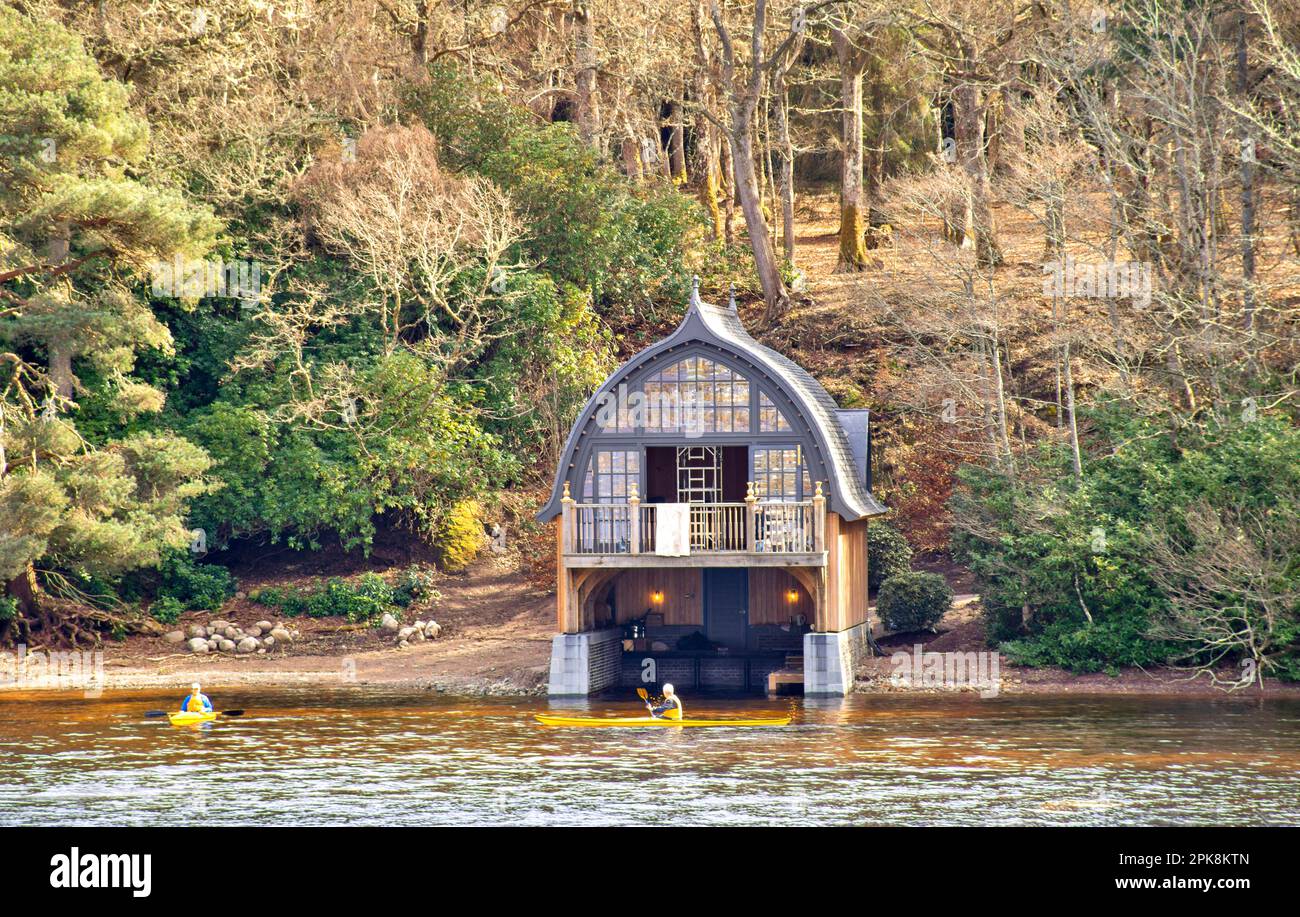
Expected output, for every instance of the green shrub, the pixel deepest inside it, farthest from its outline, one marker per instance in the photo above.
(460, 536)
(913, 601)
(1001, 623)
(366, 600)
(195, 586)
(1067, 569)
(414, 583)
(166, 609)
(888, 553)
(270, 596)
(1105, 646)
(8, 608)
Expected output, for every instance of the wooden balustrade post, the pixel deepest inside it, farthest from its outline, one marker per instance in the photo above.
(567, 520)
(634, 518)
(751, 516)
(819, 519)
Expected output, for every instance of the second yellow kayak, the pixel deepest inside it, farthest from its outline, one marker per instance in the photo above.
(190, 719)
(552, 719)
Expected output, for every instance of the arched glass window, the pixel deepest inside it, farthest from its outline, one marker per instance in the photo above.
(770, 418)
(610, 474)
(781, 474)
(697, 395)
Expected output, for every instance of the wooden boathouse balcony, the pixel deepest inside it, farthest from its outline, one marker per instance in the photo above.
(755, 533)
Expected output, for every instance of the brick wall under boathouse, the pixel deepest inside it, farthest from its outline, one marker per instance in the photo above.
(718, 673)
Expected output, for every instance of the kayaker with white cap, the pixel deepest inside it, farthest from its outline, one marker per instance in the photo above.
(196, 701)
(670, 707)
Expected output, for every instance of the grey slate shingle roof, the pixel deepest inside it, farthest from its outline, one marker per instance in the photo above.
(721, 326)
(819, 405)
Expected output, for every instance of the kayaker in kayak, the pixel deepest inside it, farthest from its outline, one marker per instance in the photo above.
(671, 706)
(196, 701)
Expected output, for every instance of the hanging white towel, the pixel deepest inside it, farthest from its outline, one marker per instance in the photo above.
(673, 529)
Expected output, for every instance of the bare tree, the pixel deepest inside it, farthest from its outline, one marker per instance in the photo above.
(741, 81)
(784, 144)
(587, 99)
(1228, 574)
(408, 229)
(977, 47)
(849, 39)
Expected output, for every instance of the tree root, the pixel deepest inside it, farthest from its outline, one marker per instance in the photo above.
(58, 622)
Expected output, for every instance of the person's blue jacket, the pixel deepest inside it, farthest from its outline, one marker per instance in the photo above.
(207, 704)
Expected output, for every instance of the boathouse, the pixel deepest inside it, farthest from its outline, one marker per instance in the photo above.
(711, 508)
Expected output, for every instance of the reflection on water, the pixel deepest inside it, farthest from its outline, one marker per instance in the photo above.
(372, 758)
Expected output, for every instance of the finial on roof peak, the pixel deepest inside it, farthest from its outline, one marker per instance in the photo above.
(695, 289)
(732, 301)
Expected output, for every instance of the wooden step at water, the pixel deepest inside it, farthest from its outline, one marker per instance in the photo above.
(785, 681)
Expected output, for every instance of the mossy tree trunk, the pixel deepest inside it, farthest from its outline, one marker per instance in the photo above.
(676, 144)
(775, 295)
(969, 129)
(588, 102)
(707, 169)
(853, 199)
(785, 169)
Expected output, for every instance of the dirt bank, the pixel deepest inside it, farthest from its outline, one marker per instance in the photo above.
(496, 638)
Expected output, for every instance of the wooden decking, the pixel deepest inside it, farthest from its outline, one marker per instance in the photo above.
(755, 533)
(697, 559)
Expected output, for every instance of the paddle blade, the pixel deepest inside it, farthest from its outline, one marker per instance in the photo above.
(642, 693)
(232, 712)
(155, 713)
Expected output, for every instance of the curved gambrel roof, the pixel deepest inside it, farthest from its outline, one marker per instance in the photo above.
(720, 327)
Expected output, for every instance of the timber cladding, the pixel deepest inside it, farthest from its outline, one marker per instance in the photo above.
(846, 574)
(769, 599)
(683, 596)
(682, 589)
(852, 546)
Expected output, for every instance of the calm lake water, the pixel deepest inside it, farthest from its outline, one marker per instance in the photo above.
(368, 757)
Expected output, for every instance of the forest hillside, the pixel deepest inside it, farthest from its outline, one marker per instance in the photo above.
(316, 278)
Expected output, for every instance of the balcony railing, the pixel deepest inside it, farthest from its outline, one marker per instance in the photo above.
(752, 527)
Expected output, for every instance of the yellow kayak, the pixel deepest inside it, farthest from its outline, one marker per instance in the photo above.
(190, 719)
(552, 719)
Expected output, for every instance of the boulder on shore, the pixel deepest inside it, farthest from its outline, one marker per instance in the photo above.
(248, 645)
(198, 645)
(174, 636)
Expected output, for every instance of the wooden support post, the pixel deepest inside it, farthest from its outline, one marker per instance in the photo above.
(751, 516)
(634, 518)
(819, 519)
(563, 582)
(567, 521)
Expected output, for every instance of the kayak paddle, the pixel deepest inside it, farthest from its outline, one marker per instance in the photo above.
(158, 713)
(645, 696)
